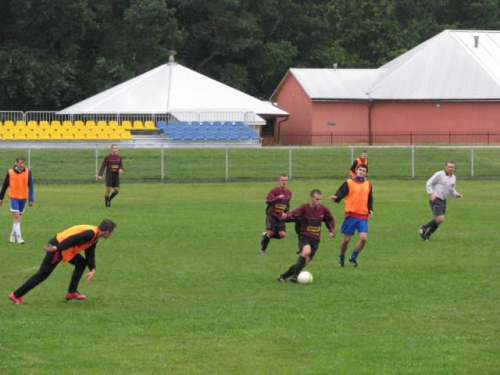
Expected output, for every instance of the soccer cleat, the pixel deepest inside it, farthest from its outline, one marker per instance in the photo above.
(262, 252)
(20, 240)
(341, 263)
(12, 238)
(15, 300)
(281, 279)
(354, 262)
(422, 233)
(293, 279)
(75, 295)
(107, 201)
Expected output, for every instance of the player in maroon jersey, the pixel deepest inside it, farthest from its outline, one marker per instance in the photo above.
(278, 205)
(113, 165)
(309, 216)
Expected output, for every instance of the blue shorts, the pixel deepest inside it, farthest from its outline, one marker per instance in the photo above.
(352, 224)
(17, 205)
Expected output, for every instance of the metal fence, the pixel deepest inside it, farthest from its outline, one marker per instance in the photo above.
(165, 164)
(390, 138)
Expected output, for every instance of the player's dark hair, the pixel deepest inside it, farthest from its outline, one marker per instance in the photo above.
(315, 192)
(450, 162)
(107, 225)
(20, 158)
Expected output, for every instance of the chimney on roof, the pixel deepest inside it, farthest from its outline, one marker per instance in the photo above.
(171, 56)
(476, 41)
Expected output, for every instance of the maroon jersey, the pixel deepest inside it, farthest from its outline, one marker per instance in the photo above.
(310, 219)
(111, 163)
(276, 205)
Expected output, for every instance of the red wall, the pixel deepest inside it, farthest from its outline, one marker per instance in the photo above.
(348, 117)
(293, 99)
(434, 117)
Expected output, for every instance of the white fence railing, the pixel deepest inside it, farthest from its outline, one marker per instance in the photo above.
(226, 163)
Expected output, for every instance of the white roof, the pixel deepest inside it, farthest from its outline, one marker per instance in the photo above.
(336, 83)
(448, 66)
(173, 88)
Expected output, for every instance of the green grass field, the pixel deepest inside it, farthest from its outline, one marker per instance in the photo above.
(180, 287)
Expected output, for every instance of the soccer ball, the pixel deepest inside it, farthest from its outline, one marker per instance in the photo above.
(305, 278)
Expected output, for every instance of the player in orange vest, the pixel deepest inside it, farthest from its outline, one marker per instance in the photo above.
(20, 184)
(67, 246)
(363, 159)
(358, 209)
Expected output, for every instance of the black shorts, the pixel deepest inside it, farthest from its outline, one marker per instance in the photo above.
(438, 207)
(275, 224)
(305, 240)
(113, 179)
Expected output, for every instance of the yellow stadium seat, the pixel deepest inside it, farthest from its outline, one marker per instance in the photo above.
(8, 124)
(113, 124)
(32, 124)
(138, 125)
(79, 125)
(19, 134)
(90, 124)
(90, 134)
(127, 125)
(19, 130)
(32, 135)
(79, 135)
(44, 135)
(126, 134)
(44, 125)
(102, 124)
(8, 135)
(149, 125)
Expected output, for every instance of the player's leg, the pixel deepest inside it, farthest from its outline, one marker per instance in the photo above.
(116, 190)
(438, 208)
(268, 234)
(347, 229)
(362, 228)
(49, 263)
(302, 261)
(16, 207)
(79, 262)
(115, 184)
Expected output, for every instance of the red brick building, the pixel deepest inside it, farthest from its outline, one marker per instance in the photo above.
(447, 87)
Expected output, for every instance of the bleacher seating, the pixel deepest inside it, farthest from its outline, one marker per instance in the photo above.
(65, 131)
(207, 131)
(95, 130)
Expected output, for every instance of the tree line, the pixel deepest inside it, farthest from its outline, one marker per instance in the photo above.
(54, 53)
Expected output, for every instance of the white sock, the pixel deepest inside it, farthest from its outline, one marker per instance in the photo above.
(17, 229)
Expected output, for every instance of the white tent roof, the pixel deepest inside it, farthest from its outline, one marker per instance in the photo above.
(448, 66)
(174, 88)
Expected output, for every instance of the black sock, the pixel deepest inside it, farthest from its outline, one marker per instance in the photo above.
(431, 230)
(296, 268)
(114, 194)
(265, 242)
(430, 224)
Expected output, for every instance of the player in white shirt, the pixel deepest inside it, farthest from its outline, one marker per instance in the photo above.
(439, 187)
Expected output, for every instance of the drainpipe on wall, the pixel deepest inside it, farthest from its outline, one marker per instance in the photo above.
(370, 133)
(279, 127)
